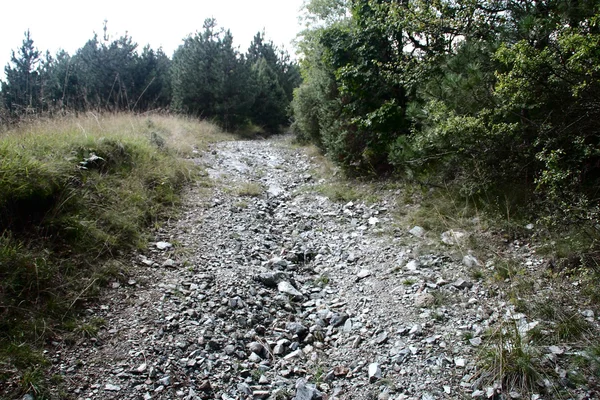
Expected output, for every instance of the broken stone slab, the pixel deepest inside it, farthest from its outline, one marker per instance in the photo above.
(338, 319)
(412, 265)
(296, 328)
(462, 284)
(306, 391)
(363, 273)
(163, 245)
(348, 326)
(416, 330)
(295, 354)
(141, 369)
(257, 348)
(381, 338)
(112, 388)
(165, 380)
(260, 394)
(279, 349)
(374, 372)
(287, 288)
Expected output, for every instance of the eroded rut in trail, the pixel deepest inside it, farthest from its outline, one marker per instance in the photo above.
(266, 289)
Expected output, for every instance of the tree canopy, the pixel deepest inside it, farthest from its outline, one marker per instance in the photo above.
(478, 93)
(207, 77)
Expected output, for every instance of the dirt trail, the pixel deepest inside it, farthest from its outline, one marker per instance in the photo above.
(266, 289)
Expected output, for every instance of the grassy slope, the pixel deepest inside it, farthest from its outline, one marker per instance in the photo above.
(66, 216)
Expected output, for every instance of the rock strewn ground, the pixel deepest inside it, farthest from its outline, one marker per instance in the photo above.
(285, 294)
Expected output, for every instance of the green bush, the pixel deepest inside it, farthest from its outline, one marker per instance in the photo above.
(450, 93)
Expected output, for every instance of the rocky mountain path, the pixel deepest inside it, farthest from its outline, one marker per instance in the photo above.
(266, 289)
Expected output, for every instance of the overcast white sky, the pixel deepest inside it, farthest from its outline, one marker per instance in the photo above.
(68, 24)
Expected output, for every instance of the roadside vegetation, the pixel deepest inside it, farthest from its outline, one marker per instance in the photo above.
(495, 102)
(75, 195)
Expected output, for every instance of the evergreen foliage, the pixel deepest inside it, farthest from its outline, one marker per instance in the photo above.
(213, 80)
(208, 77)
(270, 100)
(476, 93)
(22, 89)
(102, 75)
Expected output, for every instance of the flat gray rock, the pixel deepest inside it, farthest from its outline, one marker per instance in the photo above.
(363, 273)
(374, 372)
(287, 288)
(417, 231)
(112, 388)
(462, 284)
(163, 245)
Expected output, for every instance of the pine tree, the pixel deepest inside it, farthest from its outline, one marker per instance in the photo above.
(22, 86)
(210, 79)
(270, 102)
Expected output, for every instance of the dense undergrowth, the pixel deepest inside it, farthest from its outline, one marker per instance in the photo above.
(75, 194)
(496, 102)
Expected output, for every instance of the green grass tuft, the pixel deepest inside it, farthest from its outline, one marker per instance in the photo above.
(508, 358)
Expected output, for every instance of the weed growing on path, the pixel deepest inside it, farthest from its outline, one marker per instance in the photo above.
(250, 189)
